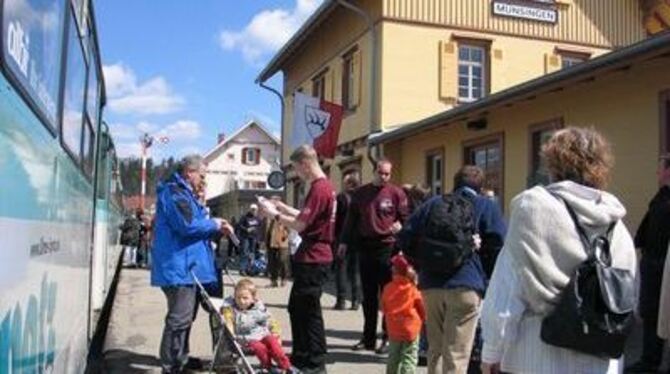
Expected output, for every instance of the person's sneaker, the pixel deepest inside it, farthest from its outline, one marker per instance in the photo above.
(362, 346)
(383, 348)
(274, 284)
(355, 305)
(318, 370)
(339, 305)
(641, 367)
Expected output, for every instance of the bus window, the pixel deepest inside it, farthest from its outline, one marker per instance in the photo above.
(88, 148)
(93, 95)
(32, 31)
(104, 170)
(73, 102)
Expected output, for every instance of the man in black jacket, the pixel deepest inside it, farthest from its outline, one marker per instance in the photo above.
(346, 266)
(249, 228)
(652, 238)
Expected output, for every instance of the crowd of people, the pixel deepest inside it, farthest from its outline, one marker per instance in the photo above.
(450, 276)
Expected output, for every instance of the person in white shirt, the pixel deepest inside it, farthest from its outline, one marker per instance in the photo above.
(541, 252)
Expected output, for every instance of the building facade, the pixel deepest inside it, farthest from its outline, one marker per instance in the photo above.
(415, 58)
(625, 95)
(242, 161)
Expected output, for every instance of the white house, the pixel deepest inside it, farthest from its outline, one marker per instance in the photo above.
(242, 161)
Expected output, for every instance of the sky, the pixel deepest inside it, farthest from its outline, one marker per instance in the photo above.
(185, 69)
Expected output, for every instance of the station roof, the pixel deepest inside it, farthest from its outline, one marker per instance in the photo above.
(622, 59)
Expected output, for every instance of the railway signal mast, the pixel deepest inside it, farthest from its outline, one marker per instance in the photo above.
(146, 141)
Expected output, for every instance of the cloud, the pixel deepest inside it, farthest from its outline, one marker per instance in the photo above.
(181, 130)
(181, 134)
(127, 96)
(268, 30)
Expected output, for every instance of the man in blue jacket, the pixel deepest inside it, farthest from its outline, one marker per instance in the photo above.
(181, 244)
(452, 299)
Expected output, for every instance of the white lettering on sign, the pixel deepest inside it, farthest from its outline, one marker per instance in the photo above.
(17, 45)
(526, 12)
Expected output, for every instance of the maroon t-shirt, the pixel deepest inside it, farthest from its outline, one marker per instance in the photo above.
(373, 210)
(319, 216)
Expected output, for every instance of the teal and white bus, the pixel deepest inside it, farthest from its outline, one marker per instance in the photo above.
(59, 189)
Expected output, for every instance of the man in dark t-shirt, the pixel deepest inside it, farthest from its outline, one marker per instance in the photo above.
(316, 225)
(376, 213)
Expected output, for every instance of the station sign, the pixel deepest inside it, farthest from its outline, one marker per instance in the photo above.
(542, 11)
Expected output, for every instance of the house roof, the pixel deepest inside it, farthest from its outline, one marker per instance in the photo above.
(652, 47)
(250, 123)
(297, 40)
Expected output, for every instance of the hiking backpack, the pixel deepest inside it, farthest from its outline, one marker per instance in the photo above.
(595, 311)
(445, 241)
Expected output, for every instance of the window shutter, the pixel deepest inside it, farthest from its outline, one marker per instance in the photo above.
(244, 156)
(448, 81)
(328, 85)
(355, 90)
(258, 156)
(552, 63)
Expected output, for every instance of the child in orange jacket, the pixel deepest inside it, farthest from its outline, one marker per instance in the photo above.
(403, 308)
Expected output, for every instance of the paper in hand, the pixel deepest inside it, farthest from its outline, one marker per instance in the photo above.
(268, 206)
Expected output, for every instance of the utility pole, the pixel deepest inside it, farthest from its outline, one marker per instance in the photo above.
(146, 141)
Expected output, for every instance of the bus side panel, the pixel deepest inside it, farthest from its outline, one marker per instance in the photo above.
(45, 223)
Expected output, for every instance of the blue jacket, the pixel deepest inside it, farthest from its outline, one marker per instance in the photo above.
(181, 237)
(490, 226)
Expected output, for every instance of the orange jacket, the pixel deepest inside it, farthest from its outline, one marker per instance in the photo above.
(403, 308)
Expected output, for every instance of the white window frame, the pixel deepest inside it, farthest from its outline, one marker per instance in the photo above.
(570, 61)
(471, 65)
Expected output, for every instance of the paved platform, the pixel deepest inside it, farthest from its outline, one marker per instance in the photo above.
(136, 324)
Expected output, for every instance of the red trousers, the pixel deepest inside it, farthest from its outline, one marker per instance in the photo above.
(267, 350)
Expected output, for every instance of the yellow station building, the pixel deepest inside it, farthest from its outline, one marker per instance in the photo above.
(394, 64)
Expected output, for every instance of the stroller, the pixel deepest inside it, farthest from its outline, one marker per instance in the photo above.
(228, 356)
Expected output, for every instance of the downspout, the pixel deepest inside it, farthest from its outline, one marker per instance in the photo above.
(373, 154)
(282, 106)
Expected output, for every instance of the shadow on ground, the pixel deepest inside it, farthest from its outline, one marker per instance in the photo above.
(123, 361)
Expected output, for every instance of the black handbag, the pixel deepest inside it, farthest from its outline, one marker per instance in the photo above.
(595, 311)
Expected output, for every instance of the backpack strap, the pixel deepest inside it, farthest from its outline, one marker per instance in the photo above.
(586, 241)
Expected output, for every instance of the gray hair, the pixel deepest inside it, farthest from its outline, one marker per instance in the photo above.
(189, 162)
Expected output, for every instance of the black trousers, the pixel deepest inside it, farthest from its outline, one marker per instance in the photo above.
(375, 270)
(651, 277)
(304, 307)
(347, 275)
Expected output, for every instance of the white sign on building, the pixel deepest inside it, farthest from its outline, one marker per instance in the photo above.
(526, 10)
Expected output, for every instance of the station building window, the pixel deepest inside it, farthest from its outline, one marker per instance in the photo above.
(571, 58)
(538, 135)
(435, 171)
(472, 70)
(487, 153)
(319, 85)
(351, 78)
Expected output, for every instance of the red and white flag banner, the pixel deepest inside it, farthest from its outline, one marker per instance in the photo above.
(316, 122)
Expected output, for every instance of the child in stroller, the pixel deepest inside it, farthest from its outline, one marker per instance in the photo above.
(253, 327)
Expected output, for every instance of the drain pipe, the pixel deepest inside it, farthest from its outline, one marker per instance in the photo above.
(372, 156)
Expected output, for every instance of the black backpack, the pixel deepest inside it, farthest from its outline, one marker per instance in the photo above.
(595, 311)
(445, 241)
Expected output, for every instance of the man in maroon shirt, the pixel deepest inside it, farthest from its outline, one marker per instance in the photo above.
(376, 214)
(316, 225)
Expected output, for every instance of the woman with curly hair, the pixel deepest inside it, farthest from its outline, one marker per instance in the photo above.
(542, 251)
